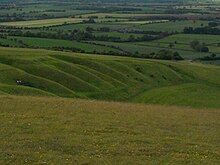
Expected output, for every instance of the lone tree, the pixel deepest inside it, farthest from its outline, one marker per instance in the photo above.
(197, 46)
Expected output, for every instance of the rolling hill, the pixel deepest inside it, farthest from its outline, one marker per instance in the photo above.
(71, 131)
(31, 72)
(110, 82)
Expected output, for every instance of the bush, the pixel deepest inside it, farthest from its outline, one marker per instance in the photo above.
(204, 49)
(213, 24)
(197, 46)
(167, 55)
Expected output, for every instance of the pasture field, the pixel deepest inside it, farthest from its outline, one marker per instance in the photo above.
(44, 22)
(118, 15)
(139, 15)
(112, 20)
(51, 73)
(166, 45)
(9, 42)
(132, 15)
(71, 131)
(187, 38)
(181, 43)
(172, 26)
(211, 41)
(130, 47)
(65, 13)
(139, 22)
(51, 43)
(123, 36)
(152, 47)
(33, 11)
(96, 26)
(30, 13)
(215, 62)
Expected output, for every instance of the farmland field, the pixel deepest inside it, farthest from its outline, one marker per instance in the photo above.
(151, 47)
(187, 38)
(50, 43)
(123, 36)
(41, 23)
(173, 26)
(95, 26)
(135, 34)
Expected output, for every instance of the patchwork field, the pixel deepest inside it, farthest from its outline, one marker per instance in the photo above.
(152, 47)
(56, 43)
(172, 26)
(187, 38)
(112, 26)
(44, 22)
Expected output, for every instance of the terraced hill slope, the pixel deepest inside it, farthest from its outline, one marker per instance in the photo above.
(50, 73)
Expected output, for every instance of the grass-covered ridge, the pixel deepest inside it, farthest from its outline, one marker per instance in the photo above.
(69, 131)
(50, 73)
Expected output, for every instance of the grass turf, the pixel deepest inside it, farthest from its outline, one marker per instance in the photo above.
(67, 131)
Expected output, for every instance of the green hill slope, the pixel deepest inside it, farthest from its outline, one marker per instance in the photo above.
(51, 73)
(72, 131)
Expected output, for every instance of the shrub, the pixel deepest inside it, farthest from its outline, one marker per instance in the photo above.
(167, 55)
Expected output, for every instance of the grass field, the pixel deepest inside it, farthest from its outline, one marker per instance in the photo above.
(50, 43)
(187, 38)
(140, 22)
(51, 73)
(44, 22)
(122, 15)
(182, 44)
(171, 26)
(112, 26)
(67, 131)
(123, 36)
(9, 42)
(152, 47)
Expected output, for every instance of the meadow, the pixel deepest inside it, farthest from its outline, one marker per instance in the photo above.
(123, 36)
(181, 43)
(187, 38)
(152, 47)
(57, 43)
(41, 23)
(171, 26)
(73, 131)
(96, 26)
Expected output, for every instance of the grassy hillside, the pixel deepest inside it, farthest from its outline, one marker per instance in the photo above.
(50, 73)
(68, 131)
